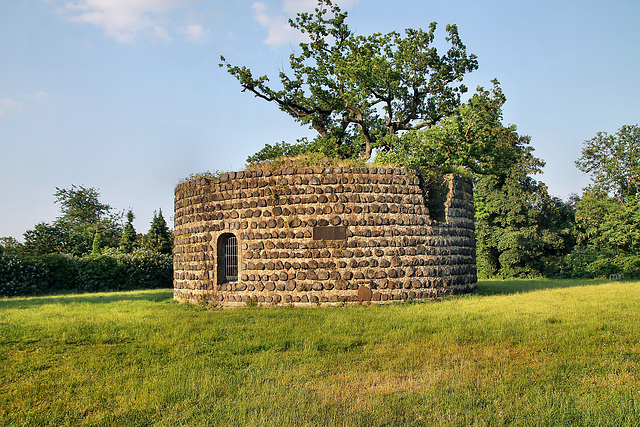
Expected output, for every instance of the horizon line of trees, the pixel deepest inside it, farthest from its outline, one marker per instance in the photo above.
(87, 248)
(88, 227)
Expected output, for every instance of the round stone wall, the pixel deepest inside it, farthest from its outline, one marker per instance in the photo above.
(322, 235)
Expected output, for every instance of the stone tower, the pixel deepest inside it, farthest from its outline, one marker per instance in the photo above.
(306, 235)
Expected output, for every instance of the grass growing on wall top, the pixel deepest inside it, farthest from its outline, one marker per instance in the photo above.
(302, 160)
(515, 353)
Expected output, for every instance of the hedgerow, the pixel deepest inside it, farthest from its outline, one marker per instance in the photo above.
(57, 273)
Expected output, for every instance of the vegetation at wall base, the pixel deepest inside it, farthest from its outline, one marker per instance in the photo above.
(517, 353)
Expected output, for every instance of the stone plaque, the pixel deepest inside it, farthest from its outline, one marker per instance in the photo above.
(329, 233)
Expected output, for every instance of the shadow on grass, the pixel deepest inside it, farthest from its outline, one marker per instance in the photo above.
(506, 287)
(155, 295)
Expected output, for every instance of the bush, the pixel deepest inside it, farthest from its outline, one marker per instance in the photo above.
(99, 273)
(146, 270)
(576, 264)
(629, 265)
(21, 276)
(55, 273)
(63, 273)
(603, 267)
(589, 264)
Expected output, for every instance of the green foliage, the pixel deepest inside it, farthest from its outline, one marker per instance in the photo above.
(80, 205)
(591, 264)
(608, 214)
(82, 215)
(607, 224)
(20, 276)
(145, 270)
(521, 231)
(45, 239)
(96, 247)
(472, 140)
(613, 161)
(278, 150)
(576, 264)
(129, 237)
(63, 274)
(159, 237)
(101, 273)
(355, 91)
(56, 273)
(10, 245)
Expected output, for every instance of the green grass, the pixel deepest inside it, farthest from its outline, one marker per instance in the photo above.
(521, 353)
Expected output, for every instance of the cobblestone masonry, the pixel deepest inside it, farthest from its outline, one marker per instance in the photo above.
(322, 235)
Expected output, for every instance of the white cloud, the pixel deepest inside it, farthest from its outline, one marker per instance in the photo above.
(292, 7)
(10, 106)
(277, 25)
(129, 20)
(41, 97)
(196, 33)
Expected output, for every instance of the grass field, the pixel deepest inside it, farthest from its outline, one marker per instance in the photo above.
(546, 353)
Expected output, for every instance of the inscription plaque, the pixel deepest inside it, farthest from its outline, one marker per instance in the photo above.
(329, 233)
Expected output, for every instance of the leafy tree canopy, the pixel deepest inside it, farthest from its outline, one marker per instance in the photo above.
(471, 139)
(613, 162)
(80, 205)
(45, 239)
(521, 230)
(608, 226)
(74, 231)
(10, 245)
(360, 92)
(608, 214)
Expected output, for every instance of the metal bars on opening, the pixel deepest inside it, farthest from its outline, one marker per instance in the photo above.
(231, 259)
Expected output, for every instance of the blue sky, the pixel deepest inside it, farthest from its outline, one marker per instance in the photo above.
(127, 96)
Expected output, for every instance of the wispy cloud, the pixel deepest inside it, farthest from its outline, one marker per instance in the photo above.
(196, 33)
(10, 106)
(128, 21)
(277, 24)
(41, 97)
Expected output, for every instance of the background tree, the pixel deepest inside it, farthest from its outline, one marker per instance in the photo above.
(608, 214)
(129, 237)
(359, 92)
(521, 231)
(45, 239)
(472, 140)
(159, 237)
(613, 162)
(607, 225)
(80, 205)
(11, 245)
(82, 215)
(96, 246)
